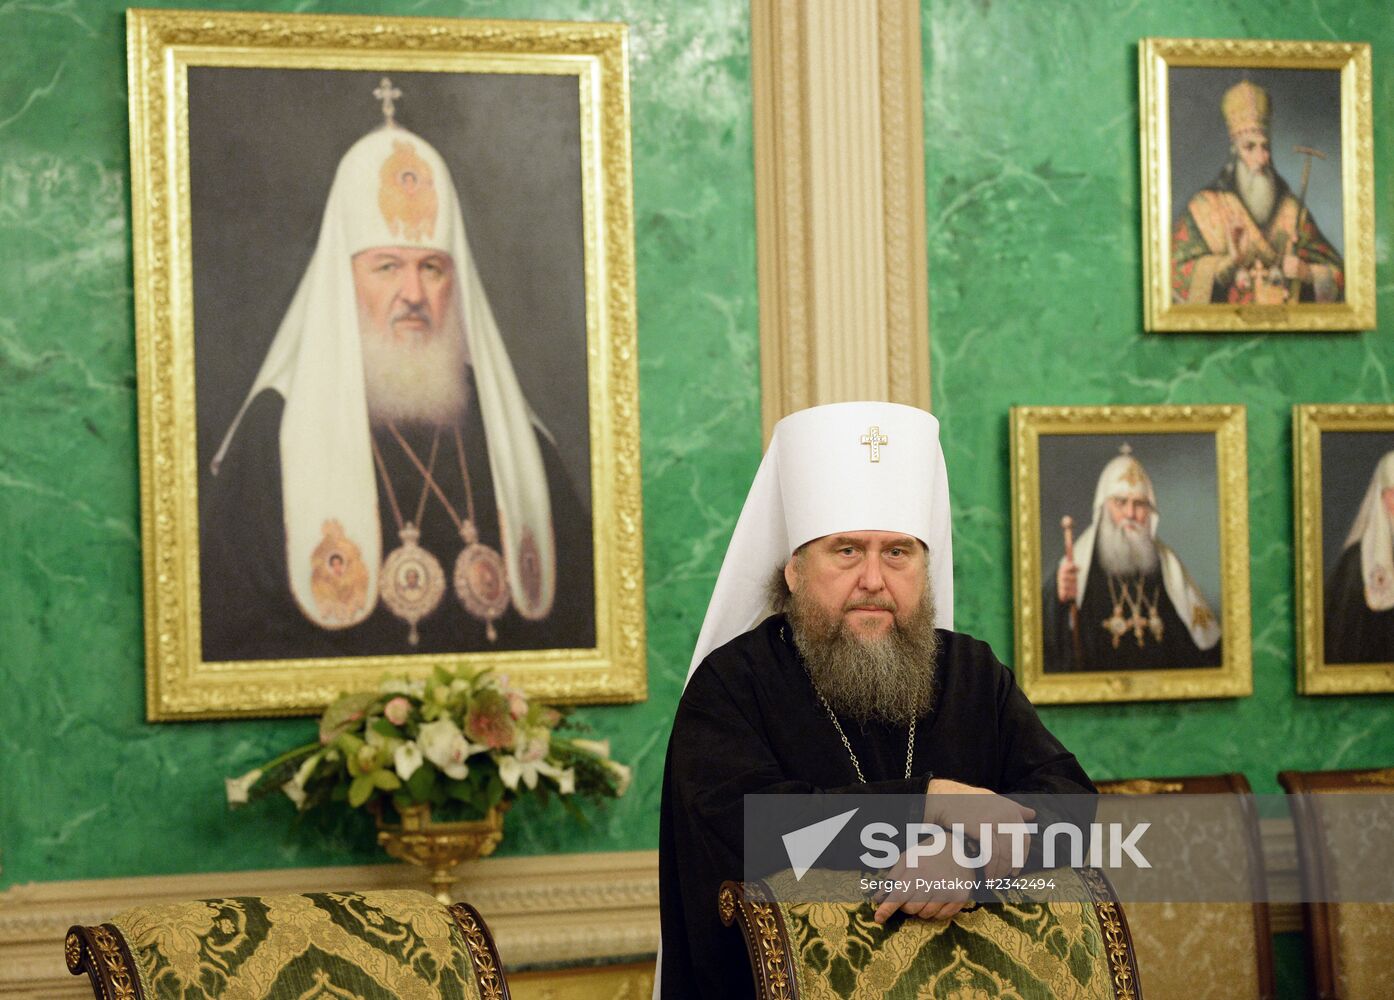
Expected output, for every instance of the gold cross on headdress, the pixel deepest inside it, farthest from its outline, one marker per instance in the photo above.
(387, 94)
(874, 439)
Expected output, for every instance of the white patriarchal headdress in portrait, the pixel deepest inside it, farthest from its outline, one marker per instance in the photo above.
(863, 466)
(391, 189)
(1371, 530)
(1124, 476)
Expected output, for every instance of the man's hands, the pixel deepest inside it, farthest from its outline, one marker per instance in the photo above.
(949, 802)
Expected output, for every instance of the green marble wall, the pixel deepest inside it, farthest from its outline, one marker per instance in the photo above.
(1033, 198)
(90, 789)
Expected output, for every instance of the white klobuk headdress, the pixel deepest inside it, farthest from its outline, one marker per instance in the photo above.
(1124, 476)
(392, 189)
(839, 467)
(1371, 529)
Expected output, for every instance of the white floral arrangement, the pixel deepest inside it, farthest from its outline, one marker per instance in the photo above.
(461, 742)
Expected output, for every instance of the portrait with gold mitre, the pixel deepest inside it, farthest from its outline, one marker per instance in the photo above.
(1255, 179)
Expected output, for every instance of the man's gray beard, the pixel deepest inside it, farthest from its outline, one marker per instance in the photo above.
(1123, 553)
(416, 379)
(889, 678)
(1258, 190)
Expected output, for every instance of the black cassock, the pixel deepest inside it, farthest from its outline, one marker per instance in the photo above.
(1177, 650)
(750, 722)
(1354, 633)
(247, 608)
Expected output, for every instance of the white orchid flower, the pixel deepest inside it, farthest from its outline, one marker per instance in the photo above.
(566, 782)
(600, 748)
(511, 770)
(295, 787)
(445, 746)
(237, 788)
(407, 759)
(622, 773)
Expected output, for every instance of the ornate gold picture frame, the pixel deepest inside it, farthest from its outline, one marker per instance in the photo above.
(1258, 185)
(385, 341)
(1130, 540)
(1343, 463)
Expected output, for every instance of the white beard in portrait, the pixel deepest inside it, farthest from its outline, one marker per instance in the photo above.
(416, 377)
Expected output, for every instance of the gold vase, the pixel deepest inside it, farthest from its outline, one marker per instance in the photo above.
(441, 848)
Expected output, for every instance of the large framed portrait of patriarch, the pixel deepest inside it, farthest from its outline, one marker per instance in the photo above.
(1130, 552)
(1258, 185)
(386, 357)
(1344, 488)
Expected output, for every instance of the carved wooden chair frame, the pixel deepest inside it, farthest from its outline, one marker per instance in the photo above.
(1222, 784)
(101, 952)
(1317, 918)
(752, 906)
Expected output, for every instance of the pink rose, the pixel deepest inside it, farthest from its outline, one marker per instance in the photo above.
(489, 721)
(397, 710)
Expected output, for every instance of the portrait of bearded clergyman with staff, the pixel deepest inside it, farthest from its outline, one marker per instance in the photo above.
(1119, 597)
(1246, 236)
(385, 487)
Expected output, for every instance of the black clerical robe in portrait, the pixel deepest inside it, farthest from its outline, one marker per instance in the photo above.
(750, 722)
(1175, 651)
(1354, 633)
(249, 613)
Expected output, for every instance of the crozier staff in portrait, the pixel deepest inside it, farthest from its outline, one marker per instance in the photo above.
(1119, 597)
(381, 480)
(1358, 546)
(1249, 234)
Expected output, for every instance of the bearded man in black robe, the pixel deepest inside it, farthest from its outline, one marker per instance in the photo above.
(385, 487)
(855, 685)
(1120, 598)
(1359, 608)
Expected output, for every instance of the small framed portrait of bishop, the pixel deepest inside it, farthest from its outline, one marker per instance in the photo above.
(1344, 489)
(1258, 185)
(385, 348)
(1131, 552)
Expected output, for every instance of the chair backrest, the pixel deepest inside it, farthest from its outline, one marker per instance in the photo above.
(1349, 944)
(373, 945)
(1227, 946)
(1068, 949)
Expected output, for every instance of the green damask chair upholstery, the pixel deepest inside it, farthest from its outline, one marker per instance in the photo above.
(1212, 950)
(1349, 943)
(390, 945)
(1005, 950)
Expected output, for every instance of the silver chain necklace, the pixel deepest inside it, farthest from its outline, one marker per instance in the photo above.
(856, 764)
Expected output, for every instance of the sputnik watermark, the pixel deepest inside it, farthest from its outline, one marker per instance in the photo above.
(1168, 847)
(1105, 845)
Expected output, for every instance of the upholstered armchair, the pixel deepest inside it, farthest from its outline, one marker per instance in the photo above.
(1204, 950)
(316, 946)
(1349, 943)
(1005, 949)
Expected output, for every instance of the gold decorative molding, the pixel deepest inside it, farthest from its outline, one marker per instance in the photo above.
(162, 47)
(1309, 423)
(1352, 61)
(548, 909)
(1234, 677)
(839, 194)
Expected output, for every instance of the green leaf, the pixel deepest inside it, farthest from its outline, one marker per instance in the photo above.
(359, 791)
(493, 792)
(422, 780)
(384, 728)
(461, 790)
